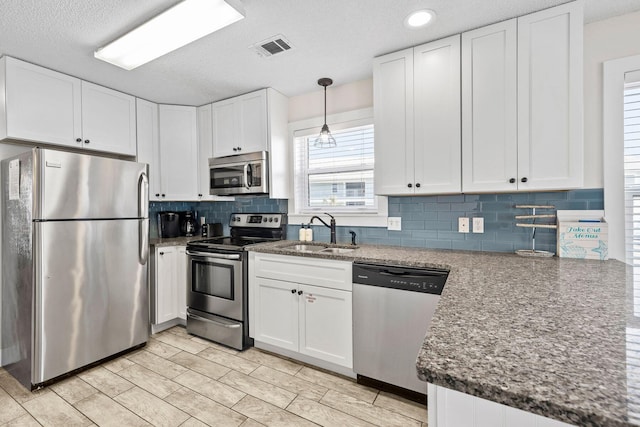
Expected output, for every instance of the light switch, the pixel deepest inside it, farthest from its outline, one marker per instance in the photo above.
(463, 225)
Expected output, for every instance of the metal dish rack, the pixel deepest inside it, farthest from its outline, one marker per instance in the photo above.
(534, 216)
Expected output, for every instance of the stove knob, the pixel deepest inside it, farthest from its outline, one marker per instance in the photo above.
(264, 219)
(270, 219)
(275, 219)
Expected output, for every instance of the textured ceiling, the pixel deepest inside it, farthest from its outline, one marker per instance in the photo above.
(333, 38)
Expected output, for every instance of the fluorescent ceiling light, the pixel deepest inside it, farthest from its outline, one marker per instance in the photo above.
(185, 22)
(420, 18)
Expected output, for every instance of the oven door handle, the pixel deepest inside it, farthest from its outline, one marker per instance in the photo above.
(204, 319)
(214, 255)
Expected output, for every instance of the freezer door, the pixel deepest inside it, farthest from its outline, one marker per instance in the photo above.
(80, 186)
(91, 296)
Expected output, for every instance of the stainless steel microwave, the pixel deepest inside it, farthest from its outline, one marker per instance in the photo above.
(240, 174)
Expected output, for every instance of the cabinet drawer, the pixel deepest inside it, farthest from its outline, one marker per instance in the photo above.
(304, 270)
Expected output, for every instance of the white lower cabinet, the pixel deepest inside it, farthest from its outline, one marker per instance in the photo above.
(169, 285)
(302, 305)
(450, 408)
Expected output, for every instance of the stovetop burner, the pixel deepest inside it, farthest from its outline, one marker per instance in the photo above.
(246, 229)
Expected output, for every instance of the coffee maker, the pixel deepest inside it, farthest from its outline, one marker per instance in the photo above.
(169, 224)
(188, 223)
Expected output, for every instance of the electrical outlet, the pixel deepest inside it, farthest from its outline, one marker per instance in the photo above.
(463, 225)
(478, 225)
(394, 223)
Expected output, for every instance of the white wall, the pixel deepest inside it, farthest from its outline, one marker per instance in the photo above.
(348, 97)
(603, 40)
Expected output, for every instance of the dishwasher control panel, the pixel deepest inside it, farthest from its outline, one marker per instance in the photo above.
(424, 280)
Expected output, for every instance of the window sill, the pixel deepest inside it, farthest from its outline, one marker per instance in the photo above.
(345, 220)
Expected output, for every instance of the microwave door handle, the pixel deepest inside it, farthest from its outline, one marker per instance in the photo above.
(246, 176)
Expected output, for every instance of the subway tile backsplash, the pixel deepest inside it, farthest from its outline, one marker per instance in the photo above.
(427, 222)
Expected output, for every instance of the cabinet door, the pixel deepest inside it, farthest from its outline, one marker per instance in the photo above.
(182, 281)
(178, 152)
(393, 118)
(252, 122)
(42, 105)
(205, 150)
(437, 162)
(325, 325)
(225, 133)
(489, 128)
(166, 295)
(108, 120)
(550, 146)
(149, 144)
(276, 312)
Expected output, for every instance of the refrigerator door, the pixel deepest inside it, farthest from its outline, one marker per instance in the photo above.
(91, 296)
(80, 186)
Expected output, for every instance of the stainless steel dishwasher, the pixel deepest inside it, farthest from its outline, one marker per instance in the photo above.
(392, 310)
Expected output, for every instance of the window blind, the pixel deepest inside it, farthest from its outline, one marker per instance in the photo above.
(632, 171)
(340, 178)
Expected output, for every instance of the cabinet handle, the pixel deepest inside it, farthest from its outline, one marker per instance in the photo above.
(86, 141)
(409, 185)
(524, 179)
(293, 291)
(161, 253)
(78, 139)
(299, 292)
(417, 185)
(512, 180)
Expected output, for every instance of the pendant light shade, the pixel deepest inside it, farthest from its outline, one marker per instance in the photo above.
(325, 139)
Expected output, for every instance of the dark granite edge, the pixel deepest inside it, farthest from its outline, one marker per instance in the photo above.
(545, 408)
(172, 241)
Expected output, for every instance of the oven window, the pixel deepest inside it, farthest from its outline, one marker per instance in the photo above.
(213, 279)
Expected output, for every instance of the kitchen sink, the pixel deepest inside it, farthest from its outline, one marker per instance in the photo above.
(319, 248)
(306, 248)
(337, 250)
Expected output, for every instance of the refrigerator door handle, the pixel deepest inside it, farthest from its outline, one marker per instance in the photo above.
(143, 212)
(143, 196)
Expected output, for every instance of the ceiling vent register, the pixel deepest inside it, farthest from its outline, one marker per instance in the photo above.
(272, 46)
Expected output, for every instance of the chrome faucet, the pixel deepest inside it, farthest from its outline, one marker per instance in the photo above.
(331, 225)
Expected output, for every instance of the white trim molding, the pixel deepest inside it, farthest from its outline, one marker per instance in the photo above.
(612, 149)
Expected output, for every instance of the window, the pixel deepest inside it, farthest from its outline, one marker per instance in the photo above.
(338, 179)
(632, 171)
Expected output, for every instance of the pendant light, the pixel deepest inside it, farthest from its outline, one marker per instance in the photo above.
(325, 139)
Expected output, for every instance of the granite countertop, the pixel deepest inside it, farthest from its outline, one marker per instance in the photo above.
(552, 336)
(172, 241)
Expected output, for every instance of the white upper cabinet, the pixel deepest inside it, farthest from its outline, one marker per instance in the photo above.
(417, 119)
(45, 106)
(205, 150)
(178, 152)
(108, 120)
(550, 101)
(240, 124)
(522, 103)
(489, 102)
(39, 105)
(149, 144)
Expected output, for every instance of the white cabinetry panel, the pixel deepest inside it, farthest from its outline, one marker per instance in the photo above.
(276, 313)
(489, 100)
(179, 152)
(149, 144)
(166, 286)
(182, 281)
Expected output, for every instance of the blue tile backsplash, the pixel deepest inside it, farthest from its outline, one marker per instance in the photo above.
(427, 222)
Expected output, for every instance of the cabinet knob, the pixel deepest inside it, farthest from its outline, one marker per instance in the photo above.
(409, 185)
(235, 149)
(161, 253)
(78, 139)
(157, 194)
(239, 148)
(199, 195)
(524, 179)
(163, 195)
(512, 180)
(299, 292)
(417, 185)
(293, 291)
(86, 141)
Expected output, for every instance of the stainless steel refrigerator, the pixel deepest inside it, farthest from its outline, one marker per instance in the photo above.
(74, 262)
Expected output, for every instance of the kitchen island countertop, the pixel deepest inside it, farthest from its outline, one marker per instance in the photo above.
(552, 336)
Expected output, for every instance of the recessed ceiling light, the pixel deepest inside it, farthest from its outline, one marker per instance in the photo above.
(178, 26)
(419, 18)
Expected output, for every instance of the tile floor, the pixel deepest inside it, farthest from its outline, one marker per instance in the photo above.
(181, 380)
